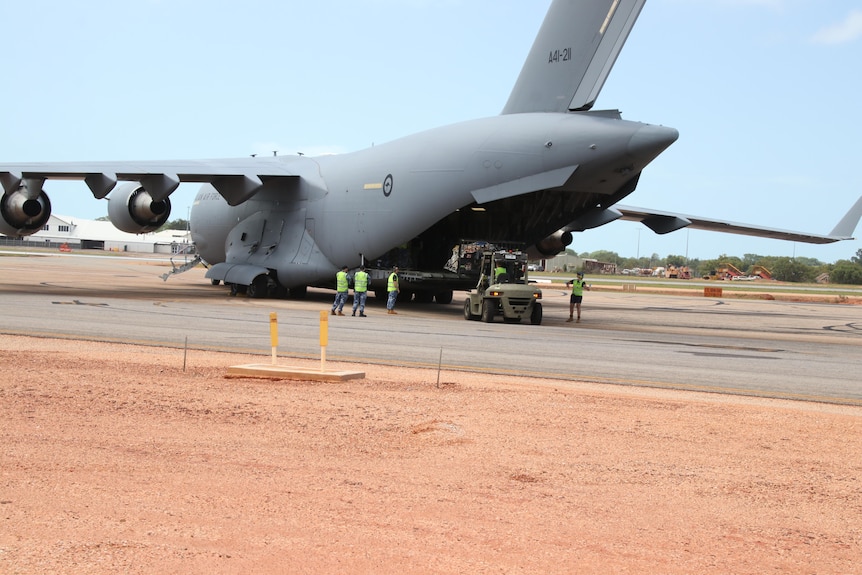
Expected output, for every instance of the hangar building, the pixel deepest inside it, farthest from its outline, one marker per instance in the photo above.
(102, 235)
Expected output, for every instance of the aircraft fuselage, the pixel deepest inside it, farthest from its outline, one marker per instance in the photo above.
(344, 207)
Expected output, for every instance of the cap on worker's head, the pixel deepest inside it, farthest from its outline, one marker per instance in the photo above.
(580, 274)
(345, 267)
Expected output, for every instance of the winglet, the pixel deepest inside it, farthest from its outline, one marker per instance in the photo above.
(845, 228)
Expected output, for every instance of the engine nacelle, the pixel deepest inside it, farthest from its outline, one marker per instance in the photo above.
(23, 215)
(551, 245)
(132, 209)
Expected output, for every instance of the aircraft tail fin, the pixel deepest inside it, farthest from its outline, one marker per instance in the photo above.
(572, 55)
(847, 225)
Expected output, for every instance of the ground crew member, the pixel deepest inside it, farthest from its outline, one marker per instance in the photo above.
(342, 283)
(498, 271)
(393, 290)
(578, 287)
(360, 291)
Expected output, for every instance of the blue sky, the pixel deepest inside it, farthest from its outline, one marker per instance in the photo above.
(765, 95)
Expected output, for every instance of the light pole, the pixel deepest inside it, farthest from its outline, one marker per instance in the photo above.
(686, 246)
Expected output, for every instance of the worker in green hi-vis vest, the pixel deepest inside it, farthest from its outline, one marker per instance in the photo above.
(578, 287)
(342, 284)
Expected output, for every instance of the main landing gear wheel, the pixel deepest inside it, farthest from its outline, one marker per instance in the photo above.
(259, 287)
(443, 297)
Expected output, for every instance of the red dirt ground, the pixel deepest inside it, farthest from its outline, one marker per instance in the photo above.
(115, 460)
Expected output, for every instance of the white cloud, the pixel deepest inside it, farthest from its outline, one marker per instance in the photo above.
(847, 31)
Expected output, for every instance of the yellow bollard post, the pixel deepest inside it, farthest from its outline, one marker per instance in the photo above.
(324, 338)
(273, 334)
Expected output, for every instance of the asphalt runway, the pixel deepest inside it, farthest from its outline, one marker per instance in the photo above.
(804, 351)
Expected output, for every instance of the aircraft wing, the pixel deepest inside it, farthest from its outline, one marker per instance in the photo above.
(235, 179)
(665, 222)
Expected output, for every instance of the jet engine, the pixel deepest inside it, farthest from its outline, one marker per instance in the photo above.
(132, 209)
(551, 245)
(21, 214)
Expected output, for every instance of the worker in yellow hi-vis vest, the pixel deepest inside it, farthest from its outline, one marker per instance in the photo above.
(360, 291)
(578, 287)
(342, 284)
(393, 289)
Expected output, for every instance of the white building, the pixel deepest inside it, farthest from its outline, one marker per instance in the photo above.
(102, 235)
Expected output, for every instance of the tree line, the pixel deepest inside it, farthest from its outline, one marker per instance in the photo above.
(799, 269)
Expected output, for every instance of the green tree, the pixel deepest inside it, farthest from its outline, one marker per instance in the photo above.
(735, 261)
(704, 267)
(605, 256)
(790, 270)
(178, 224)
(629, 263)
(811, 262)
(766, 261)
(749, 260)
(857, 259)
(677, 261)
(846, 272)
(709, 267)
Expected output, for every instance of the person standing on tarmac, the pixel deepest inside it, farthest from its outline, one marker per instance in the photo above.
(393, 290)
(360, 291)
(578, 287)
(342, 283)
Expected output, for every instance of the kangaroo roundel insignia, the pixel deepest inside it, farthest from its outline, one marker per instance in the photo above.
(387, 185)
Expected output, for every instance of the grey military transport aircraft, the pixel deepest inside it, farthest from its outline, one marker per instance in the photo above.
(547, 166)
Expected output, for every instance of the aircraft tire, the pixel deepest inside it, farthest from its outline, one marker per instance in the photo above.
(443, 297)
(423, 297)
(298, 292)
(404, 296)
(258, 288)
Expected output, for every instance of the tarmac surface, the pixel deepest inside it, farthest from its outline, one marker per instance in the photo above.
(803, 350)
(127, 448)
